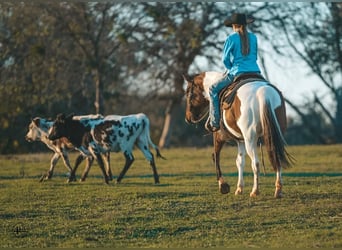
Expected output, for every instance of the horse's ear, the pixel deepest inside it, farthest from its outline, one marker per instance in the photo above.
(36, 121)
(186, 77)
(60, 117)
(70, 116)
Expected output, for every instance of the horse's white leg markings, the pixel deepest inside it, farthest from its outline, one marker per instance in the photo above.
(251, 148)
(240, 164)
(249, 132)
(278, 184)
(221, 181)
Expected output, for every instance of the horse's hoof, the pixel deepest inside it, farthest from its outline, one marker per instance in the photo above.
(254, 194)
(278, 194)
(238, 191)
(224, 188)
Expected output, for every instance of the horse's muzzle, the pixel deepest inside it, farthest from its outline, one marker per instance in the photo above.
(188, 121)
(28, 139)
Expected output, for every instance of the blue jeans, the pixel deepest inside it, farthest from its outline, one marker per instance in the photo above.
(214, 103)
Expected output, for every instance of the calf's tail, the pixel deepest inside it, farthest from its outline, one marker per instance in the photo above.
(148, 138)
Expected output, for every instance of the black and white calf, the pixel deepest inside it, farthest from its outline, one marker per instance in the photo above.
(38, 131)
(113, 133)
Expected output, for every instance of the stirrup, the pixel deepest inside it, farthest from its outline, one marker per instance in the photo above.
(209, 127)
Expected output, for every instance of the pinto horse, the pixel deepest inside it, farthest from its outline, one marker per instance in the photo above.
(257, 111)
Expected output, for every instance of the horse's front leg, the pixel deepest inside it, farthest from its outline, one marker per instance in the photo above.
(240, 164)
(218, 144)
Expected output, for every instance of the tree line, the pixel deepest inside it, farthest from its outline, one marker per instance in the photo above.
(122, 58)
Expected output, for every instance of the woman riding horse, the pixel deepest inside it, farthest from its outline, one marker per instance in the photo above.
(239, 56)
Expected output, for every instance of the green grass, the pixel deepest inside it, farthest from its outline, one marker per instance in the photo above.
(185, 210)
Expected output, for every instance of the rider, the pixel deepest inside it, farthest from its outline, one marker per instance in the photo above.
(239, 56)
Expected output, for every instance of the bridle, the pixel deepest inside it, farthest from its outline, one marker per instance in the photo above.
(190, 94)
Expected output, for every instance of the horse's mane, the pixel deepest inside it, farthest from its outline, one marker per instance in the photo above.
(191, 77)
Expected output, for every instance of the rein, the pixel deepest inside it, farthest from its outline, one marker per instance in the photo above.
(202, 114)
(205, 113)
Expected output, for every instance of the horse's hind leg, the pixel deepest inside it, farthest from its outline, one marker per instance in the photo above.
(278, 184)
(251, 148)
(240, 164)
(218, 144)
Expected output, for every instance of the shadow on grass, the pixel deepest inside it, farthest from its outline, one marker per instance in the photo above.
(299, 174)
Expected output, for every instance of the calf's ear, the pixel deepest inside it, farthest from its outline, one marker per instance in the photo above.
(36, 121)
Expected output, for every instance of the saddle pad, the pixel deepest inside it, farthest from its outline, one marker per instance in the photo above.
(227, 95)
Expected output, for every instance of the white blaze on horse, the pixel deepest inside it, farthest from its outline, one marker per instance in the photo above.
(256, 110)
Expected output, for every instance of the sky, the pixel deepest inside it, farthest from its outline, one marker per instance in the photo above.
(295, 79)
(297, 82)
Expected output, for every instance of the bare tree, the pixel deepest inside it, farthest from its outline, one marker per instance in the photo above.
(310, 32)
(171, 36)
(95, 29)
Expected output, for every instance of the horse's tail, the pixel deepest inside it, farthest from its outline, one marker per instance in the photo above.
(273, 138)
(148, 138)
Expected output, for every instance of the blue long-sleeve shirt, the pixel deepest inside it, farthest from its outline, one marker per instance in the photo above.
(234, 60)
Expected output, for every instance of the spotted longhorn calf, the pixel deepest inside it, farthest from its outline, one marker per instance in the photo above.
(111, 134)
(38, 131)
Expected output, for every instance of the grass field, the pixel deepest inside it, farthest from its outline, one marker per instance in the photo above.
(184, 210)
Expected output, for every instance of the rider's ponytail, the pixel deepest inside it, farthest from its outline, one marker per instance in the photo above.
(242, 30)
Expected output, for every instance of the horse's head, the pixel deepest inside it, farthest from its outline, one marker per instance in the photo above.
(197, 105)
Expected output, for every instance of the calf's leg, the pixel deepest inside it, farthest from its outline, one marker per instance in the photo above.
(65, 159)
(149, 156)
(154, 169)
(84, 175)
(108, 169)
(53, 163)
(129, 160)
(78, 161)
(101, 165)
